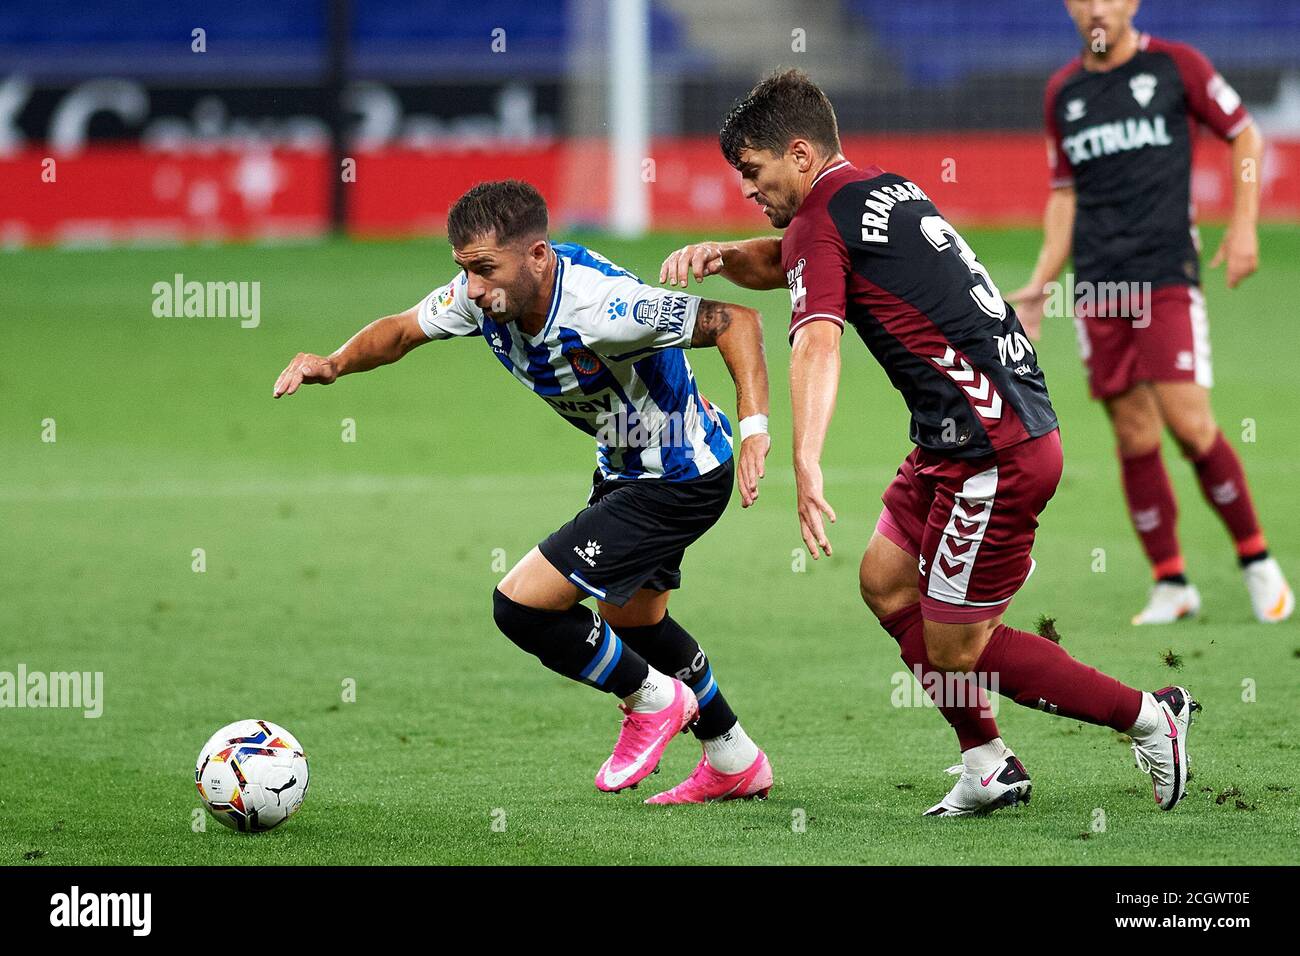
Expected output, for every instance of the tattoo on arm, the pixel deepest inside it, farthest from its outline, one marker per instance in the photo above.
(713, 319)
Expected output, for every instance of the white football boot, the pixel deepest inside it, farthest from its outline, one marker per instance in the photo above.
(978, 792)
(1169, 602)
(1163, 752)
(1270, 595)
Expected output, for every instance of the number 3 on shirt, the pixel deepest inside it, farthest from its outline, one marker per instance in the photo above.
(986, 295)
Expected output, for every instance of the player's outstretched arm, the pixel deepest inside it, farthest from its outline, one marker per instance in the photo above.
(749, 263)
(737, 332)
(814, 381)
(1240, 246)
(1058, 235)
(380, 343)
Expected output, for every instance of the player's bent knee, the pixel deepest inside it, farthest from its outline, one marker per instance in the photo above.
(1135, 419)
(1136, 435)
(956, 648)
(535, 582)
(1134, 444)
(950, 658)
(1195, 435)
(563, 640)
(886, 597)
(953, 660)
(887, 586)
(517, 622)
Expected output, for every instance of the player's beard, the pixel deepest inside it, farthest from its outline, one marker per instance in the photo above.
(517, 299)
(780, 208)
(1121, 33)
(780, 215)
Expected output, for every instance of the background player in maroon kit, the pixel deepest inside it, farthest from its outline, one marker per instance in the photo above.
(1121, 119)
(869, 249)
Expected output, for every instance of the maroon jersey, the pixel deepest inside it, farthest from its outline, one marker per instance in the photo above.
(1124, 139)
(869, 248)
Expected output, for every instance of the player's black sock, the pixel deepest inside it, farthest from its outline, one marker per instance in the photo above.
(1248, 559)
(667, 647)
(1173, 579)
(575, 643)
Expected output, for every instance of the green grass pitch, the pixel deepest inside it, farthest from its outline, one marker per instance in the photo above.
(374, 561)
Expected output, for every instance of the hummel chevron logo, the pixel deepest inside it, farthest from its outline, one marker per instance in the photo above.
(957, 548)
(984, 397)
(951, 568)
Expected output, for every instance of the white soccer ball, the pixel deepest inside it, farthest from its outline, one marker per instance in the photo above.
(252, 775)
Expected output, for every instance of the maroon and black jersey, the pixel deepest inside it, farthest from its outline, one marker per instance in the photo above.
(1124, 139)
(869, 248)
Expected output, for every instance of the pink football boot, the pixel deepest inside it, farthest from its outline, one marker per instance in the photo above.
(642, 740)
(706, 785)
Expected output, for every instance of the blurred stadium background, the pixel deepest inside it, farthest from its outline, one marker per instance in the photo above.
(161, 133)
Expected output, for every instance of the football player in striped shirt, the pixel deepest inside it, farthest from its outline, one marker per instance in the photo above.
(605, 351)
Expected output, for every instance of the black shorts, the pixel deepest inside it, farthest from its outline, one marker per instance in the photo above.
(634, 532)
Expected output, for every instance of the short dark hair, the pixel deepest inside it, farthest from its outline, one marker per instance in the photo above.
(783, 107)
(510, 208)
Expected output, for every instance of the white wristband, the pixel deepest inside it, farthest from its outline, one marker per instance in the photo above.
(753, 425)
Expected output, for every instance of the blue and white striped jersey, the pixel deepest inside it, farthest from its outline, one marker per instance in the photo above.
(610, 360)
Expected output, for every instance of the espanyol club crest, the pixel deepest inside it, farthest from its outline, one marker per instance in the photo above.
(584, 362)
(1144, 87)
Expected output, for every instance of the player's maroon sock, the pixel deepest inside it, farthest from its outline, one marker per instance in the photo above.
(973, 723)
(1223, 481)
(1035, 672)
(1154, 511)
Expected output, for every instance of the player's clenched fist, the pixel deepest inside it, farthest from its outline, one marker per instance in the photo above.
(305, 369)
(701, 259)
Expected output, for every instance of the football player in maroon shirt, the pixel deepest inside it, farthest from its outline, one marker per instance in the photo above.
(868, 249)
(1121, 119)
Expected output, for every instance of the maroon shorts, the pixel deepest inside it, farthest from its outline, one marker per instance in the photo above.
(1160, 337)
(970, 524)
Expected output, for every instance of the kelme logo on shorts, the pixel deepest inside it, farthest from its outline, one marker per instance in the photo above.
(588, 553)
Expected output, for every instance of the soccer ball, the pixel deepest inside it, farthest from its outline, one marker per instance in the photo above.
(252, 775)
